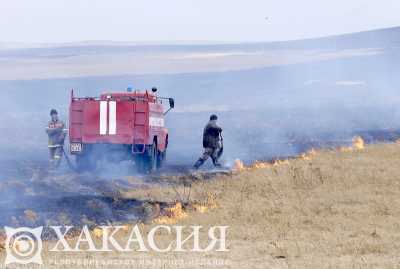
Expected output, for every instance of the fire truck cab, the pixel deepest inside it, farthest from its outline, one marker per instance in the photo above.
(119, 126)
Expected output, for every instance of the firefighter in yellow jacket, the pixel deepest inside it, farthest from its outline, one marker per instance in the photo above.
(56, 132)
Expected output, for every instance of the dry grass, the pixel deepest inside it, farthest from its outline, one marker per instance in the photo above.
(331, 210)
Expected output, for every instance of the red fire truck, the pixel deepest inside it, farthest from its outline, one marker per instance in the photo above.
(119, 126)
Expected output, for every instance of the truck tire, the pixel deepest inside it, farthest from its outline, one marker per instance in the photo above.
(161, 157)
(148, 162)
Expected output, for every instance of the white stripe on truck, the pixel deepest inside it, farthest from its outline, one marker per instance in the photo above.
(112, 127)
(103, 117)
(156, 122)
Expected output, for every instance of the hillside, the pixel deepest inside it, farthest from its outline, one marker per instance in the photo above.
(378, 38)
(97, 59)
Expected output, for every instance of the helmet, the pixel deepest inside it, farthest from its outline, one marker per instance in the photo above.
(53, 111)
(213, 117)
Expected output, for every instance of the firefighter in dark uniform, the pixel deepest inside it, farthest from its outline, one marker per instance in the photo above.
(211, 143)
(56, 132)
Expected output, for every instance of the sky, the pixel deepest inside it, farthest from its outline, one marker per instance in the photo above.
(55, 21)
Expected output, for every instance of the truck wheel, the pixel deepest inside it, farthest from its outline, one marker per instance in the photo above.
(161, 157)
(148, 162)
(153, 158)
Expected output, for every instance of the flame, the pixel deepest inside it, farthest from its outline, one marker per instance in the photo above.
(176, 211)
(200, 208)
(98, 232)
(260, 165)
(358, 143)
(238, 165)
(172, 215)
(307, 156)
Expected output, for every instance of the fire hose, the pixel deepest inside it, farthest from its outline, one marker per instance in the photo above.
(69, 163)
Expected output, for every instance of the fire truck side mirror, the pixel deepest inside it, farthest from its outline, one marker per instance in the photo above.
(171, 102)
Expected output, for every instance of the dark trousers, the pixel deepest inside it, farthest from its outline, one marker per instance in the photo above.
(209, 152)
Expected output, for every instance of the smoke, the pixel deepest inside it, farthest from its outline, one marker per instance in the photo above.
(265, 113)
(260, 110)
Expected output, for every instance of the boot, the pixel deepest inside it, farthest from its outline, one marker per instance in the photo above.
(198, 164)
(217, 164)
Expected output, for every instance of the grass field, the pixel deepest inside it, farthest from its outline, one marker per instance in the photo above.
(328, 209)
